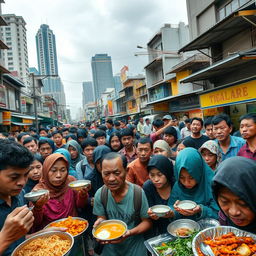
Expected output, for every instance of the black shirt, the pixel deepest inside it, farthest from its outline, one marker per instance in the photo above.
(195, 142)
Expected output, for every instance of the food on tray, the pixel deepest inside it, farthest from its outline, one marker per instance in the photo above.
(74, 226)
(178, 247)
(52, 245)
(110, 231)
(183, 231)
(229, 245)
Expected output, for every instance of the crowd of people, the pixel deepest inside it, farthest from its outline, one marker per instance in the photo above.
(132, 167)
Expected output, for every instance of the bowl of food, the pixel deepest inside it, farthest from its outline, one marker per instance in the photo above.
(79, 184)
(33, 196)
(225, 238)
(48, 243)
(182, 228)
(186, 205)
(109, 230)
(75, 226)
(208, 223)
(160, 210)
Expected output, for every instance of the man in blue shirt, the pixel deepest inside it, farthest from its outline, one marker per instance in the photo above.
(15, 217)
(110, 126)
(229, 145)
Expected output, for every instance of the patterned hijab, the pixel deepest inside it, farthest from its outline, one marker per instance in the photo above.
(162, 144)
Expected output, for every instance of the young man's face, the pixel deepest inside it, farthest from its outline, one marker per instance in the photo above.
(196, 127)
(209, 131)
(57, 138)
(248, 128)
(65, 133)
(127, 141)
(43, 133)
(31, 146)
(88, 152)
(101, 140)
(221, 131)
(144, 152)
(12, 181)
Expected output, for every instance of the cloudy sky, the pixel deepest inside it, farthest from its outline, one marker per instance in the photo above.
(86, 27)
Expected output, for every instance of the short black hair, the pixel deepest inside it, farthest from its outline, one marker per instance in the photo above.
(198, 119)
(208, 121)
(126, 132)
(13, 154)
(57, 132)
(117, 123)
(64, 129)
(114, 155)
(171, 131)
(248, 116)
(158, 123)
(187, 121)
(73, 130)
(72, 136)
(32, 129)
(19, 137)
(99, 133)
(102, 127)
(110, 121)
(29, 139)
(147, 119)
(43, 129)
(39, 158)
(222, 117)
(89, 142)
(145, 140)
(123, 121)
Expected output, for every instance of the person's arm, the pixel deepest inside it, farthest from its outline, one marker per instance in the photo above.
(81, 198)
(144, 226)
(160, 131)
(79, 172)
(16, 225)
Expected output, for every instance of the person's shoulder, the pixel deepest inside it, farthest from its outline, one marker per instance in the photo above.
(148, 185)
(238, 140)
(133, 163)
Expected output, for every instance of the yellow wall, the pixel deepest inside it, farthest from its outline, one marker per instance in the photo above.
(179, 75)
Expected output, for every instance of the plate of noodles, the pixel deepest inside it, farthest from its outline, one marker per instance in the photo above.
(48, 243)
(75, 225)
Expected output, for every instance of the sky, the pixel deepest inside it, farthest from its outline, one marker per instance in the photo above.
(84, 28)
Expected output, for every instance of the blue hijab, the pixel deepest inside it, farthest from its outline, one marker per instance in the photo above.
(192, 161)
(67, 155)
(77, 147)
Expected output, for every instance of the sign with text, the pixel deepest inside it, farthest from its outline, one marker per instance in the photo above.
(235, 94)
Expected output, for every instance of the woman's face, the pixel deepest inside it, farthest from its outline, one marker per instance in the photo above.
(160, 151)
(209, 157)
(115, 143)
(58, 173)
(73, 152)
(186, 179)
(159, 179)
(35, 172)
(235, 208)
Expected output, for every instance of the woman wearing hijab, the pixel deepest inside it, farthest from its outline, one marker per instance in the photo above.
(162, 147)
(158, 189)
(234, 190)
(67, 155)
(193, 182)
(61, 201)
(211, 154)
(75, 151)
(115, 142)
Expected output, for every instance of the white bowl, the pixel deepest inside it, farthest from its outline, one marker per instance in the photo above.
(182, 223)
(79, 184)
(62, 235)
(33, 196)
(160, 210)
(187, 205)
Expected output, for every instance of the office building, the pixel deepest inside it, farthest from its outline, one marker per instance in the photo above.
(102, 74)
(88, 94)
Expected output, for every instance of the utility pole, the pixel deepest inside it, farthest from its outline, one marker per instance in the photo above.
(35, 101)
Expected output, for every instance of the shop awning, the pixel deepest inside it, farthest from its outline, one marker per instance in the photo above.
(222, 67)
(224, 29)
(25, 116)
(20, 124)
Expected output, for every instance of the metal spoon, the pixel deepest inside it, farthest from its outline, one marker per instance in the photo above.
(206, 249)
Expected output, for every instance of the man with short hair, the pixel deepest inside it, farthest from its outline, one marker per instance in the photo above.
(117, 125)
(43, 132)
(229, 145)
(137, 169)
(196, 139)
(123, 124)
(31, 144)
(208, 128)
(168, 119)
(127, 139)
(15, 217)
(101, 137)
(186, 131)
(140, 126)
(65, 132)
(159, 126)
(57, 137)
(248, 132)
(118, 199)
(147, 128)
(21, 137)
(110, 126)
(86, 166)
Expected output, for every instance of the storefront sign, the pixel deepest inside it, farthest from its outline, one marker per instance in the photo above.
(7, 116)
(213, 111)
(110, 107)
(236, 94)
(27, 121)
(161, 107)
(186, 103)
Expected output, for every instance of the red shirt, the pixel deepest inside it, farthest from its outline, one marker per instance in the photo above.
(129, 157)
(246, 152)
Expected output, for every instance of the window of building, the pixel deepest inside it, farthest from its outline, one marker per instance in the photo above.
(234, 5)
(9, 53)
(10, 63)
(10, 58)
(7, 28)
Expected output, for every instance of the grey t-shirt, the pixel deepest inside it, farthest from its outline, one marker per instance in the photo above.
(124, 210)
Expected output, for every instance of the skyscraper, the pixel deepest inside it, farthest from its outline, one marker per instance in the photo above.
(102, 74)
(14, 35)
(88, 94)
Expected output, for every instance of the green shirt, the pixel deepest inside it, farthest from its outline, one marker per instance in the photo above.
(124, 210)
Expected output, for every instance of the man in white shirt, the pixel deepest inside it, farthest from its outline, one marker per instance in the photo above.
(147, 128)
(185, 131)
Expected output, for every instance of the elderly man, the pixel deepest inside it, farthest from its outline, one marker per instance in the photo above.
(119, 199)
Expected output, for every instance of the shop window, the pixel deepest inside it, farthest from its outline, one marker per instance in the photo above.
(242, 2)
(234, 5)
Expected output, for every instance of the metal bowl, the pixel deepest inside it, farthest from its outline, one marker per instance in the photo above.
(182, 223)
(187, 205)
(160, 210)
(208, 223)
(62, 235)
(33, 196)
(109, 222)
(79, 184)
(77, 218)
(216, 231)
